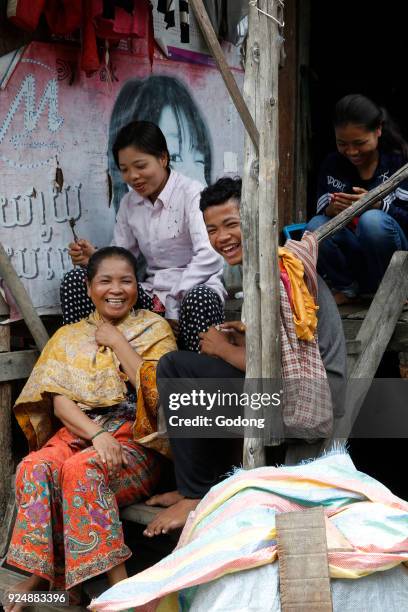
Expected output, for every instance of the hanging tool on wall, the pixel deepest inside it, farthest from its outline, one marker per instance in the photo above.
(59, 177)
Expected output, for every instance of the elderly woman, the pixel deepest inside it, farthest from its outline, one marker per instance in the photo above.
(94, 385)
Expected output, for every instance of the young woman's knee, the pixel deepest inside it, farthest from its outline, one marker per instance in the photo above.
(374, 224)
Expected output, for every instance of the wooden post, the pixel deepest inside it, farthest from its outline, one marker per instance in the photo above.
(253, 449)
(33, 321)
(260, 208)
(6, 455)
(267, 98)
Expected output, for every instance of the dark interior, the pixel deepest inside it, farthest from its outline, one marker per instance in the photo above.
(357, 48)
(354, 48)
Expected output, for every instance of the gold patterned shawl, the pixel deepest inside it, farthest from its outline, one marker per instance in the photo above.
(73, 365)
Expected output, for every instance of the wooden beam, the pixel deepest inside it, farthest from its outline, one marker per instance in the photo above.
(267, 94)
(218, 55)
(254, 453)
(31, 318)
(382, 316)
(374, 336)
(379, 323)
(303, 561)
(8, 518)
(17, 364)
(399, 339)
(373, 196)
(260, 214)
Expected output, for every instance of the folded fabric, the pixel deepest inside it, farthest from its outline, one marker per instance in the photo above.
(233, 529)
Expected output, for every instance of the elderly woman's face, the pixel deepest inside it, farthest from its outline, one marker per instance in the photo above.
(183, 158)
(113, 289)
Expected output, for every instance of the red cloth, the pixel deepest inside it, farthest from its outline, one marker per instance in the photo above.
(90, 61)
(158, 306)
(25, 14)
(123, 25)
(67, 476)
(66, 16)
(63, 16)
(286, 282)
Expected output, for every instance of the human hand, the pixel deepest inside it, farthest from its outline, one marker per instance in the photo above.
(235, 331)
(110, 452)
(340, 201)
(80, 252)
(213, 342)
(108, 335)
(175, 326)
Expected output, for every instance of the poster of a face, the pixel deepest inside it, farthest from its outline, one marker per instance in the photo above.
(52, 117)
(166, 101)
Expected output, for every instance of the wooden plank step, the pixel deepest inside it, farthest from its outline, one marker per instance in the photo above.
(139, 513)
(353, 347)
(17, 365)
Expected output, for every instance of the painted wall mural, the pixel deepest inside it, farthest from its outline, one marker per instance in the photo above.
(52, 116)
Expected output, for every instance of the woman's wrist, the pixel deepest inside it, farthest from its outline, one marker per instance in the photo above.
(118, 341)
(98, 433)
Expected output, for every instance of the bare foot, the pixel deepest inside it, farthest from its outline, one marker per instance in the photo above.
(33, 583)
(165, 499)
(172, 518)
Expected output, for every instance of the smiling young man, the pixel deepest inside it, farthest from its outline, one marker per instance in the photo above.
(202, 462)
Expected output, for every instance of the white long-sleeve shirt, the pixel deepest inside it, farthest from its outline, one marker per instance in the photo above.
(172, 236)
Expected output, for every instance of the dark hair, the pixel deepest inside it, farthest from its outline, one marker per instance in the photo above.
(224, 189)
(144, 100)
(105, 253)
(360, 110)
(143, 135)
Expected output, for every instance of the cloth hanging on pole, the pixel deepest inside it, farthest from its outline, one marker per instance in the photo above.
(167, 8)
(109, 20)
(184, 22)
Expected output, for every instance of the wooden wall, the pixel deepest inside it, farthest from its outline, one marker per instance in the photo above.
(293, 114)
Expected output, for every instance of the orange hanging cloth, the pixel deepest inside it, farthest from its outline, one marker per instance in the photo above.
(302, 303)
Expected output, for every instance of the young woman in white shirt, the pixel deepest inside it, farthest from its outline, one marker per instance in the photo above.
(159, 218)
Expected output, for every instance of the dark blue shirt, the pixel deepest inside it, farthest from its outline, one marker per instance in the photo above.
(337, 174)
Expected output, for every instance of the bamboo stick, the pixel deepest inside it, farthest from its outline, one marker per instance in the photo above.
(370, 198)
